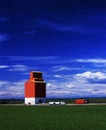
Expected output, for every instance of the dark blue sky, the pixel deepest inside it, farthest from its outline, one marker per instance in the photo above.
(63, 39)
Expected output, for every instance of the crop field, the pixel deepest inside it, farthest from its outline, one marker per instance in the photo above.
(80, 117)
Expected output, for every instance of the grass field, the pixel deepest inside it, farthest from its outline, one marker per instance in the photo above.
(53, 117)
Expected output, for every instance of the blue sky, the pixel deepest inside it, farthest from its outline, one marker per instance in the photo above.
(66, 40)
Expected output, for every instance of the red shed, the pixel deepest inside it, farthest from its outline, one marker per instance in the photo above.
(81, 101)
(35, 89)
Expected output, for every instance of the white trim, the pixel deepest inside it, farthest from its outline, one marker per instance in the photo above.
(32, 101)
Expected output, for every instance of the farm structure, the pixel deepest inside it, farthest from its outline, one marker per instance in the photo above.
(81, 101)
(35, 89)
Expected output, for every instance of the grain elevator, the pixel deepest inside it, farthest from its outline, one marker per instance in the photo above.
(35, 89)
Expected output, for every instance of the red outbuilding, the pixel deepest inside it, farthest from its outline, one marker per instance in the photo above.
(81, 101)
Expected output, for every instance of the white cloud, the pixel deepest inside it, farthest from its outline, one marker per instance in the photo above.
(91, 75)
(98, 60)
(18, 68)
(61, 68)
(17, 86)
(3, 93)
(58, 76)
(51, 85)
(3, 82)
(4, 66)
(79, 86)
(11, 89)
(75, 86)
(77, 89)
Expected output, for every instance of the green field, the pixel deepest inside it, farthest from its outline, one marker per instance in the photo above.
(79, 117)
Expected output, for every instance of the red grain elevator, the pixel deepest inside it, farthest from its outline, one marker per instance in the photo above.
(35, 89)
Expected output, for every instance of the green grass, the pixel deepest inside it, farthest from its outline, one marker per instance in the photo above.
(53, 117)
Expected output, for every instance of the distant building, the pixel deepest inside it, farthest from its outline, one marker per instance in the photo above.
(35, 89)
(81, 101)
